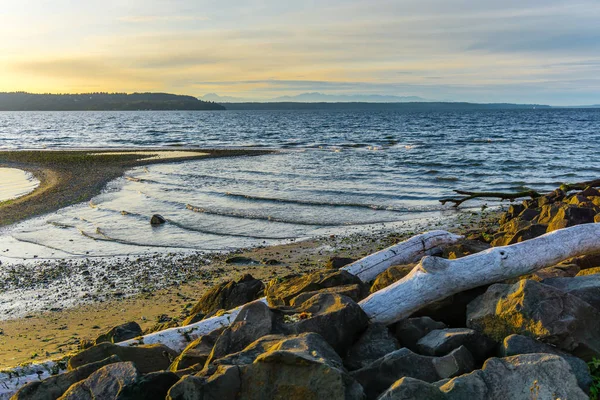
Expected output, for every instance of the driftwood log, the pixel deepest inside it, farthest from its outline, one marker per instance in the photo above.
(466, 195)
(436, 278)
(492, 195)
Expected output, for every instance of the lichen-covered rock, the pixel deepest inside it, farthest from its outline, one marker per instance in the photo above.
(305, 367)
(147, 358)
(254, 321)
(105, 383)
(391, 275)
(120, 333)
(517, 344)
(153, 386)
(382, 373)
(280, 292)
(376, 342)
(355, 291)
(408, 388)
(251, 352)
(533, 309)
(522, 377)
(55, 386)
(229, 295)
(338, 319)
(411, 330)
(338, 262)
(223, 384)
(442, 341)
(196, 352)
(589, 271)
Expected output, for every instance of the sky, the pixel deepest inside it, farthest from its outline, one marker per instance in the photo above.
(521, 51)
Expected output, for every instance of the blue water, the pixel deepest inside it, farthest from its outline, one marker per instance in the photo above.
(336, 169)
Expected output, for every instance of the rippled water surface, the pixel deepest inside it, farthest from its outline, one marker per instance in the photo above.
(336, 170)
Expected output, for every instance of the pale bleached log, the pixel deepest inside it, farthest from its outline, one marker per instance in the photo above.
(409, 251)
(436, 278)
(178, 338)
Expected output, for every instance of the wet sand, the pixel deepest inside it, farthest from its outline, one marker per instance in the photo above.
(70, 177)
(15, 183)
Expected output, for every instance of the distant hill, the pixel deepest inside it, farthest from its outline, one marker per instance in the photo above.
(410, 106)
(22, 101)
(316, 97)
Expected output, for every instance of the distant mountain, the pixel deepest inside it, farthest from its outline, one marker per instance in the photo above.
(316, 97)
(22, 101)
(407, 106)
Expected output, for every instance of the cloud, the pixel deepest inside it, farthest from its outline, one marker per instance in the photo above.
(145, 19)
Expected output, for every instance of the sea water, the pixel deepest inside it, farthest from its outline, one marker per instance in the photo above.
(334, 172)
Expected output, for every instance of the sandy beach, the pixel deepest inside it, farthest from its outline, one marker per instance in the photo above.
(49, 306)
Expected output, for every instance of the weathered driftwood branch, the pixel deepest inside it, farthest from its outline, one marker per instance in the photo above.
(436, 278)
(580, 185)
(493, 195)
(178, 338)
(409, 251)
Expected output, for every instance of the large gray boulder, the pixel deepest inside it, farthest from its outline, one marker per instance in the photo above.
(104, 383)
(55, 386)
(229, 295)
(280, 292)
(517, 344)
(152, 386)
(337, 318)
(522, 377)
(411, 330)
(382, 373)
(376, 342)
(533, 309)
(585, 287)
(147, 358)
(442, 341)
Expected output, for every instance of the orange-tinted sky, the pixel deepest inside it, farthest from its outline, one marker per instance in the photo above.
(543, 51)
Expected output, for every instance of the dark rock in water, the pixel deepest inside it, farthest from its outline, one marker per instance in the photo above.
(281, 292)
(391, 275)
(239, 260)
(120, 333)
(443, 341)
(147, 358)
(157, 219)
(517, 344)
(229, 295)
(153, 386)
(337, 318)
(382, 373)
(523, 377)
(104, 383)
(411, 330)
(254, 321)
(533, 309)
(338, 262)
(355, 291)
(376, 342)
(196, 352)
(302, 367)
(408, 388)
(55, 386)
(587, 287)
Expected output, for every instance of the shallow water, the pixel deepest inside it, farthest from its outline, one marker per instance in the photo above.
(337, 171)
(15, 183)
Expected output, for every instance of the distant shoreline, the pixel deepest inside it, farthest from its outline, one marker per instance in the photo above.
(72, 176)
